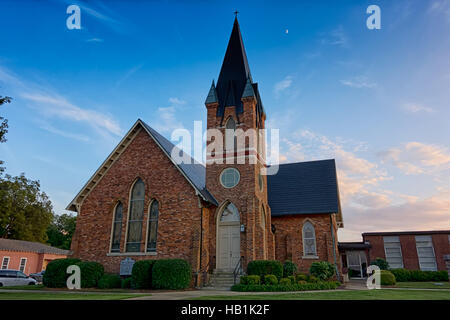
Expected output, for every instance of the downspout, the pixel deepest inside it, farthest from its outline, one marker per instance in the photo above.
(334, 248)
(199, 270)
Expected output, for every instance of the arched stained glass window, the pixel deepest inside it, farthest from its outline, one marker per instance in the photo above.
(136, 217)
(152, 232)
(117, 227)
(309, 240)
(230, 137)
(230, 214)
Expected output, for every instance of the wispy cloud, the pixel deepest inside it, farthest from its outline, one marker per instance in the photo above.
(51, 104)
(359, 82)
(283, 85)
(418, 158)
(94, 40)
(416, 108)
(65, 134)
(60, 107)
(128, 74)
(167, 120)
(177, 101)
(336, 37)
(440, 7)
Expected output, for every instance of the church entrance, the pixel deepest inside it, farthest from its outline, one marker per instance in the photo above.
(228, 238)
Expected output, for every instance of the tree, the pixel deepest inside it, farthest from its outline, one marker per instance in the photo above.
(25, 211)
(61, 230)
(3, 127)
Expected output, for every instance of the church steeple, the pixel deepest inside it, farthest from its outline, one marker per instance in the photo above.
(235, 75)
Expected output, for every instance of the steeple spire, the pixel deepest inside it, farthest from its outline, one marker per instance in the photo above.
(234, 72)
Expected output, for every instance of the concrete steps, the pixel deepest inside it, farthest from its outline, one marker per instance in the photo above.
(221, 280)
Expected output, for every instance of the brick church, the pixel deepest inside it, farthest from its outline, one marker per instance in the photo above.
(142, 204)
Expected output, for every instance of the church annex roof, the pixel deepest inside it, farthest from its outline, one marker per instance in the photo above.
(29, 246)
(304, 188)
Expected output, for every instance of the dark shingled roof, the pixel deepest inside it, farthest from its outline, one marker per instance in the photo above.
(353, 246)
(234, 74)
(304, 188)
(28, 246)
(194, 171)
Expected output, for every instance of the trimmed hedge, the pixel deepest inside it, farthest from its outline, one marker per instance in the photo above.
(171, 274)
(55, 275)
(285, 282)
(322, 270)
(270, 279)
(264, 267)
(301, 277)
(126, 283)
(323, 285)
(141, 275)
(387, 278)
(292, 279)
(110, 281)
(381, 263)
(250, 279)
(404, 275)
(91, 272)
(289, 269)
(313, 279)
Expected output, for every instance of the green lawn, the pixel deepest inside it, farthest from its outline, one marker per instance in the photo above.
(35, 287)
(343, 295)
(63, 296)
(424, 285)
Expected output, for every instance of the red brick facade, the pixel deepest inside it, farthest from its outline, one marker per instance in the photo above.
(441, 245)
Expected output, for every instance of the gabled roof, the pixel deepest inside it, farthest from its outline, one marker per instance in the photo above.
(193, 171)
(28, 246)
(234, 75)
(304, 188)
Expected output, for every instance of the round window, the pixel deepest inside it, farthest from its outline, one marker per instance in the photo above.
(229, 177)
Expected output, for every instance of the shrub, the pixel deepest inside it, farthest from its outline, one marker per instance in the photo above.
(289, 268)
(171, 274)
(301, 277)
(403, 275)
(270, 279)
(292, 279)
(55, 275)
(91, 272)
(285, 282)
(126, 283)
(109, 281)
(322, 270)
(313, 279)
(302, 282)
(387, 278)
(250, 280)
(264, 267)
(322, 285)
(141, 274)
(381, 263)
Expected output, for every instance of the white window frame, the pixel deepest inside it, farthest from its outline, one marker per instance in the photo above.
(24, 265)
(421, 239)
(309, 256)
(3, 262)
(393, 239)
(228, 170)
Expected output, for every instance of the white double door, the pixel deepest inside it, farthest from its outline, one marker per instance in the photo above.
(229, 246)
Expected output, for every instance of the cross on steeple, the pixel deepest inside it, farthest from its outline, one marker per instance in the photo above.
(236, 13)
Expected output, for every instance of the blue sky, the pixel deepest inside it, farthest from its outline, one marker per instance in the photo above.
(376, 100)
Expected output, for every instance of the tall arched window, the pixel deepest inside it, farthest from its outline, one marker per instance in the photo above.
(309, 240)
(136, 217)
(230, 137)
(117, 227)
(263, 227)
(152, 233)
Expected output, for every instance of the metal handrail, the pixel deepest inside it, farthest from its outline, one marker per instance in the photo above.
(238, 269)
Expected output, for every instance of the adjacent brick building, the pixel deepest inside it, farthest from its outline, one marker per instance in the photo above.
(26, 256)
(413, 250)
(143, 203)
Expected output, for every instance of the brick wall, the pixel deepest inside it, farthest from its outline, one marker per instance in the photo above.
(441, 246)
(289, 240)
(179, 211)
